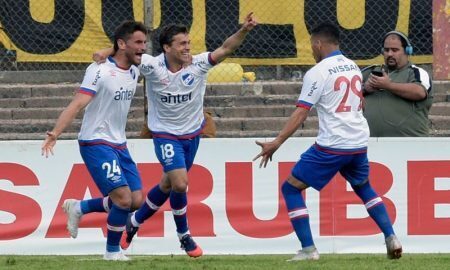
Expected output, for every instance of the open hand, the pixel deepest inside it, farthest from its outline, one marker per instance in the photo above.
(47, 145)
(268, 148)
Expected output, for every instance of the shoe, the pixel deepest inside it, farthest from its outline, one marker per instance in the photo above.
(190, 247)
(306, 254)
(128, 235)
(115, 256)
(394, 248)
(73, 216)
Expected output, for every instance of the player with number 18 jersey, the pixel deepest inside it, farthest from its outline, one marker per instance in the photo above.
(175, 99)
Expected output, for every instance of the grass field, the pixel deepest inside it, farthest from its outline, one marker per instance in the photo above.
(241, 262)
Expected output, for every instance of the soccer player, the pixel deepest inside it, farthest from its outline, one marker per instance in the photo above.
(176, 85)
(106, 92)
(333, 86)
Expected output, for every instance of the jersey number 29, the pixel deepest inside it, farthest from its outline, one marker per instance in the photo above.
(349, 85)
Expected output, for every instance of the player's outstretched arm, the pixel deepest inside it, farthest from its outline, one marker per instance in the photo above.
(64, 120)
(234, 41)
(101, 55)
(269, 148)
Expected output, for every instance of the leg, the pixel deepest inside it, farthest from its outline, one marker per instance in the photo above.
(75, 209)
(104, 165)
(177, 157)
(298, 214)
(156, 197)
(117, 218)
(136, 199)
(377, 211)
(356, 172)
(314, 169)
(178, 199)
(178, 202)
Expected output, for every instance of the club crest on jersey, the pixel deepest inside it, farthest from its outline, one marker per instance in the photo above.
(188, 79)
(146, 68)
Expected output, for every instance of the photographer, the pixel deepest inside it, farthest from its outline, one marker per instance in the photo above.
(397, 94)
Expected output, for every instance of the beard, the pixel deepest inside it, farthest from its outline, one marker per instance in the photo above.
(391, 63)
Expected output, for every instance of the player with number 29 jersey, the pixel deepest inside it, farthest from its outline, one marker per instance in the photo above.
(333, 87)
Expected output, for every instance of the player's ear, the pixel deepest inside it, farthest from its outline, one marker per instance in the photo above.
(166, 47)
(121, 43)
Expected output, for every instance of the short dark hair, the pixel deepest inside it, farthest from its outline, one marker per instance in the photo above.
(126, 29)
(400, 37)
(328, 31)
(169, 31)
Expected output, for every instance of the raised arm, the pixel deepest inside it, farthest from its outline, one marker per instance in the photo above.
(234, 41)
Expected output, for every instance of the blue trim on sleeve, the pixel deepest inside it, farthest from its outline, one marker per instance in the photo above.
(304, 104)
(211, 61)
(87, 91)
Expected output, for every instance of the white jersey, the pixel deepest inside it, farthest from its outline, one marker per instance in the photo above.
(333, 86)
(113, 88)
(175, 100)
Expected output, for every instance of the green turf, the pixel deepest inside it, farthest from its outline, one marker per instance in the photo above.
(241, 262)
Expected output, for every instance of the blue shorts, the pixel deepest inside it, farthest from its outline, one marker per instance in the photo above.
(176, 153)
(111, 167)
(317, 166)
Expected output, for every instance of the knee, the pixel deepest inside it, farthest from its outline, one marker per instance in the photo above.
(124, 203)
(180, 186)
(179, 183)
(137, 200)
(122, 198)
(165, 186)
(362, 185)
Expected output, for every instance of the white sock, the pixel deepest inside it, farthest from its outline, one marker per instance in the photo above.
(180, 235)
(134, 222)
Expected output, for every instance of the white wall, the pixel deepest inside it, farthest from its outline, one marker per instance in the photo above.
(233, 204)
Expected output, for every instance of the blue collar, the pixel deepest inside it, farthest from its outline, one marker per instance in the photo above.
(334, 53)
(165, 61)
(111, 59)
